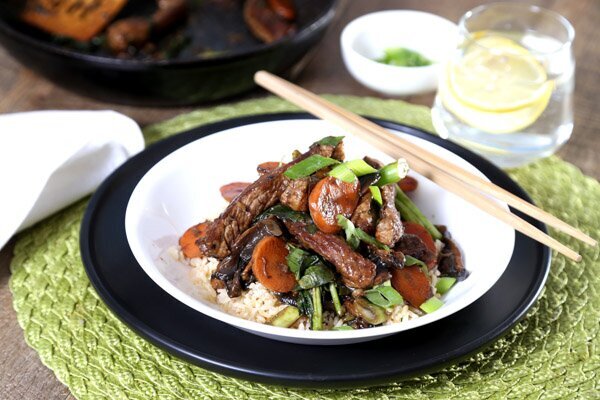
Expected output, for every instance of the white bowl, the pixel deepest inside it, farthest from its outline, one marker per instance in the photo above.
(366, 38)
(183, 189)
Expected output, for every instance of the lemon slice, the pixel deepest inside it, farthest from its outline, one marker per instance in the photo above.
(497, 74)
(496, 122)
(497, 86)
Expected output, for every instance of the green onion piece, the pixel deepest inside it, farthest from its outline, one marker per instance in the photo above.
(376, 193)
(309, 166)
(315, 275)
(317, 316)
(384, 296)
(295, 260)
(354, 234)
(286, 317)
(298, 260)
(403, 57)
(342, 328)
(365, 237)
(393, 173)
(444, 284)
(410, 212)
(305, 303)
(409, 260)
(330, 140)
(349, 230)
(431, 305)
(336, 299)
(368, 311)
(343, 173)
(360, 167)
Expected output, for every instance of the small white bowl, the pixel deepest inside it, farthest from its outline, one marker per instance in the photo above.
(365, 40)
(164, 204)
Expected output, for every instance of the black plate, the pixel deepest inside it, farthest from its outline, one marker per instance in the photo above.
(216, 346)
(188, 78)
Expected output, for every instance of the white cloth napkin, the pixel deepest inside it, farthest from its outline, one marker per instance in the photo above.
(50, 159)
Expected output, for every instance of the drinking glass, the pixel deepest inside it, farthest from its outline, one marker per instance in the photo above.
(506, 91)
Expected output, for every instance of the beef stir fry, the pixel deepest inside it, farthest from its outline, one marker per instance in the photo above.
(95, 25)
(325, 234)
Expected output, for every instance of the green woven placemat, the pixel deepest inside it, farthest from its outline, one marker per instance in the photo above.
(552, 354)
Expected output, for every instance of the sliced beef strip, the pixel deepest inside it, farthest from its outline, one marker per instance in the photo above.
(450, 262)
(338, 152)
(413, 246)
(365, 215)
(356, 271)
(260, 195)
(295, 194)
(389, 227)
(230, 271)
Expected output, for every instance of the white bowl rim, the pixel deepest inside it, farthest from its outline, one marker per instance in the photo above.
(147, 265)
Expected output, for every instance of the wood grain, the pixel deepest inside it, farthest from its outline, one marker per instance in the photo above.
(22, 375)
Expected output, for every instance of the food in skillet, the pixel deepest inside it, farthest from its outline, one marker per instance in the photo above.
(97, 25)
(322, 243)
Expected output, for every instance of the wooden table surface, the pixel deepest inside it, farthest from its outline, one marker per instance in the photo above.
(22, 375)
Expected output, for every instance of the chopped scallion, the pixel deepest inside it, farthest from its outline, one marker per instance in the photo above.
(410, 212)
(309, 166)
(286, 317)
(431, 305)
(305, 303)
(403, 57)
(337, 304)
(393, 173)
(376, 193)
(295, 260)
(410, 260)
(343, 173)
(330, 140)
(360, 167)
(342, 328)
(444, 284)
(317, 316)
(384, 296)
(354, 235)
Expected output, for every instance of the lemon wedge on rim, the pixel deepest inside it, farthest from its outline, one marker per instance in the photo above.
(497, 86)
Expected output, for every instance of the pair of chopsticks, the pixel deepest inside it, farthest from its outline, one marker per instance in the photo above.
(451, 177)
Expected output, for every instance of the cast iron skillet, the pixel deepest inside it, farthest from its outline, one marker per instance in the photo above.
(225, 70)
(214, 345)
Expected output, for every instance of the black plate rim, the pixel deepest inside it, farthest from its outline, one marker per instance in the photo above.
(274, 377)
(132, 64)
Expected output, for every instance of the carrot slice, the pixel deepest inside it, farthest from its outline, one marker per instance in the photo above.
(331, 197)
(408, 184)
(188, 240)
(233, 189)
(269, 265)
(412, 283)
(413, 228)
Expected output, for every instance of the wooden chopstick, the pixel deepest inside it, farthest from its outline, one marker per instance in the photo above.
(444, 173)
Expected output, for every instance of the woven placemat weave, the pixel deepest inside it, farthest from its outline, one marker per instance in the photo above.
(552, 354)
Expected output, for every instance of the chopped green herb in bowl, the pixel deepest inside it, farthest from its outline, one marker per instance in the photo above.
(403, 57)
